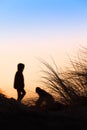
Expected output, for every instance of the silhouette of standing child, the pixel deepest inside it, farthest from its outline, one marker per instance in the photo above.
(19, 82)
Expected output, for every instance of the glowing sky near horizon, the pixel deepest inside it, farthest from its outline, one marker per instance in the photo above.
(30, 29)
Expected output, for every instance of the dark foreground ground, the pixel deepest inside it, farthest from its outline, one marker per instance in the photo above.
(17, 116)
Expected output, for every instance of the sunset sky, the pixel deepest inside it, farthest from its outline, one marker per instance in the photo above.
(31, 29)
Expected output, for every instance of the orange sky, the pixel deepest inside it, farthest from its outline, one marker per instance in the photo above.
(12, 54)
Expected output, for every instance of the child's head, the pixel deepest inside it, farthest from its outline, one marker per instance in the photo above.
(20, 66)
(38, 89)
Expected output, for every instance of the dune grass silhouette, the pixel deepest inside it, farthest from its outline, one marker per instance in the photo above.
(71, 84)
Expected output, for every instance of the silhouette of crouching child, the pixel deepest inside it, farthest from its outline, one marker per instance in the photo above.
(45, 100)
(19, 82)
